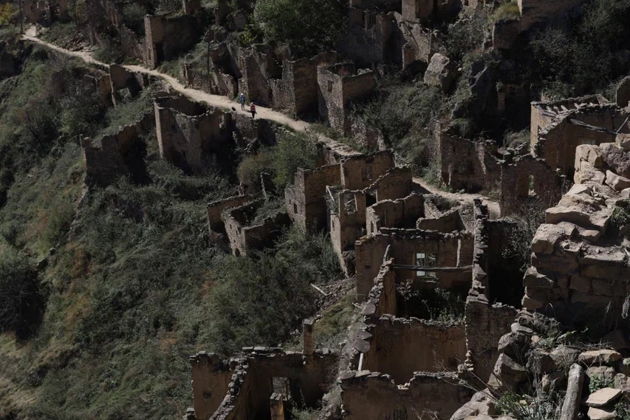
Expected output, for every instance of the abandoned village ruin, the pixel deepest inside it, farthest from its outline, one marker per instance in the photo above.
(410, 251)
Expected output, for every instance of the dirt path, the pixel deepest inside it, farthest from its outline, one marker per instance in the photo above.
(263, 113)
(199, 95)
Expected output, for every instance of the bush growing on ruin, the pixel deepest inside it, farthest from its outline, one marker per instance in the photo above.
(21, 301)
(293, 151)
(307, 26)
(403, 113)
(260, 300)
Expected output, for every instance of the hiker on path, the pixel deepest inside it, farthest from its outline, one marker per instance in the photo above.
(241, 100)
(252, 109)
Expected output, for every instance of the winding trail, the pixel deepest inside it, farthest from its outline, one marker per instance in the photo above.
(262, 112)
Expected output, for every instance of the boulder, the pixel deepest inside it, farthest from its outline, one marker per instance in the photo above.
(440, 72)
(589, 153)
(514, 345)
(564, 355)
(603, 397)
(623, 141)
(599, 414)
(616, 182)
(617, 159)
(509, 373)
(623, 92)
(479, 404)
(606, 357)
(548, 235)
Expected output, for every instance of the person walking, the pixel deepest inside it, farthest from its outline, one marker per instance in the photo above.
(241, 100)
(252, 109)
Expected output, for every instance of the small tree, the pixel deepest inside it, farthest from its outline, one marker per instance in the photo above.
(308, 26)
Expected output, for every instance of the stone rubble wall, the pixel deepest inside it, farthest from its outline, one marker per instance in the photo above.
(579, 273)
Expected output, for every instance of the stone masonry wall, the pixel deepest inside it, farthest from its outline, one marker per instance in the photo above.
(580, 267)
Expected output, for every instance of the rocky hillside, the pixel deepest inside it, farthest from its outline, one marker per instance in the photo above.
(366, 209)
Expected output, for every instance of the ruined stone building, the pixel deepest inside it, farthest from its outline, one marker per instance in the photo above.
(259, 383)
(190, 135)
(339, 86)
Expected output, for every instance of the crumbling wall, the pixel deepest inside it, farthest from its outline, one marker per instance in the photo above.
(245, 233)
(339, 86)
(428, 395)
(465, 164)
(358, 172)
(580, 269)
(483, 312)
(122, 79)
(402, 346)
(369, 37)
(167, 37)
(447, 249)
(528, 183)
(423, 10)
(251, 385)
(400, 213)
(305, 198)
(448, 221)
(189, 135)
(347, 223)
(217, 207)
(120, 154)
(588, 124)
(258, 66)
(395, 183)
(210, 378)
(419, 43)
(296, 91)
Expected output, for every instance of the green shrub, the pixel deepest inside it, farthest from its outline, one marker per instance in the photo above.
(293, 151)
(251, 167)
(308, 26)
(261, 300)
(506, 11)
(21, 302)
(583, 56)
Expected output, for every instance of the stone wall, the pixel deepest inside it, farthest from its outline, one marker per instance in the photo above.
(123, 80)
(191, 136)
(296, 91)
(245, 233)
(580, 269)
(448, 249)
(484, 312)
(424, 10)
(528, 184)
(251, 384)
(370, 37)
(216, 209)
(589, 124)
(305, 199)
(167, 37)
(339, 86)
(399, 347)
(210, 380)
(347, 221)
(121, 154)
(361, 171)
(401, 213)
(465, 164)
(428, 395)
